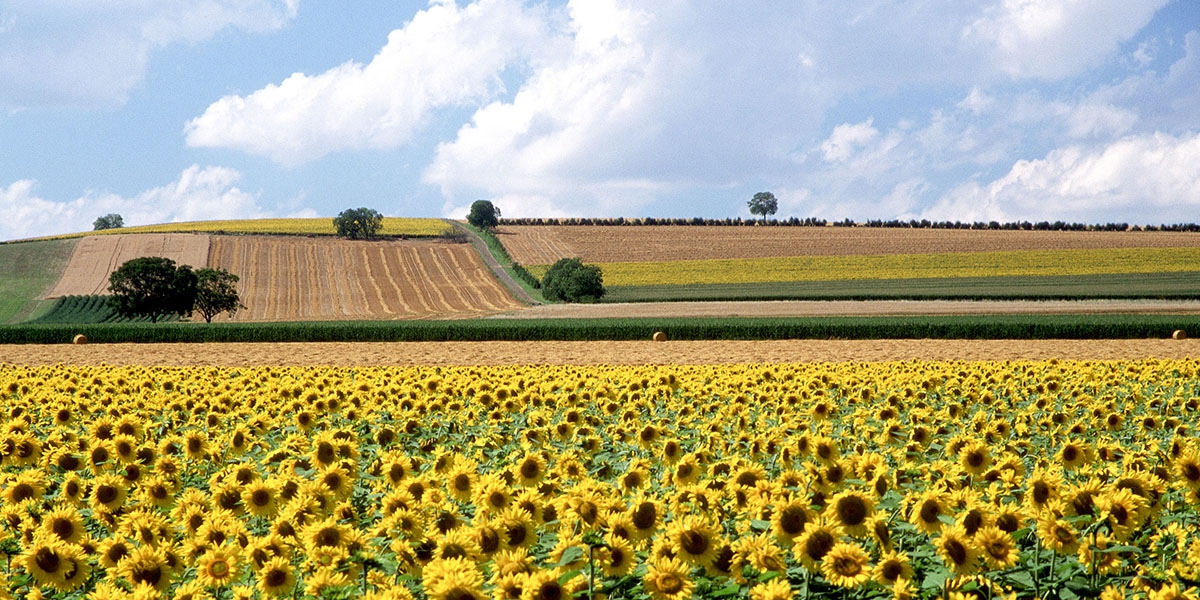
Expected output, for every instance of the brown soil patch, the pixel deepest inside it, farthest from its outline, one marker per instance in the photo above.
(97, 256)
(544, 244)
(835, 308)
(296, 278)
(586, 353)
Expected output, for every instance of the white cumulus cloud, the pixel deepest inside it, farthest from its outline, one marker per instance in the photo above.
(445, 56)
(58, 52)
(1051, 39)
(199, 194)
(1143, 179)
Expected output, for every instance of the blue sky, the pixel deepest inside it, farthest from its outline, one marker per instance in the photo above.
(175, 110)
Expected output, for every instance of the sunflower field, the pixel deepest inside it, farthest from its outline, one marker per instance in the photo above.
(1049, 479)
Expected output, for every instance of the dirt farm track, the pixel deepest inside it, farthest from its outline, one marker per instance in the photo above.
(583, 353)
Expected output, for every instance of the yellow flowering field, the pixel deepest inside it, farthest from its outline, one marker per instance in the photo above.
(916, 479)
(392, 226)
(1028, 263)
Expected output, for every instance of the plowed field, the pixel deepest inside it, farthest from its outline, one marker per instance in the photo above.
(544, 244)
(289, 278)
(97, 256)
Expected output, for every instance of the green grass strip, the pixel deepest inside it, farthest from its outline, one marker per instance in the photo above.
(935, 327)
(27, 271)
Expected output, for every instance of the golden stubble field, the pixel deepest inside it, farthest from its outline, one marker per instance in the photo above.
(590, 353)
(544, 244)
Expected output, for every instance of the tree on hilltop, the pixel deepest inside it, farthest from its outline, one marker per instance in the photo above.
(484, 215)
(358, 222)
(109, 221)
(763, 203)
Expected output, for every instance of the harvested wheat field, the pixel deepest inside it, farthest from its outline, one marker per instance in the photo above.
(588, 353)
(544, 244)
(96, 257)
(296, 278)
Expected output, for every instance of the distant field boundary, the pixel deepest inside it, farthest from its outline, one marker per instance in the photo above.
(720, 328)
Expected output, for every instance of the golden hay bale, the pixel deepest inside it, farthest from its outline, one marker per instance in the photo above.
(660, 336)
(1179, 335)
(79, 339)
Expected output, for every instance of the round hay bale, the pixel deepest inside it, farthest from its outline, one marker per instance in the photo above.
(1179, 335)
(79, 339)
(660, 336)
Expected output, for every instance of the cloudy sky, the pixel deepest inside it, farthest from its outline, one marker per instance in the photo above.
(172, 110)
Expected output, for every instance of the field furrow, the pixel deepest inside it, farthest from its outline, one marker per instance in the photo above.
(285, 278)
(95, 258)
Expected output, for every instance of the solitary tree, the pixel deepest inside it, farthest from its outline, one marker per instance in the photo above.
(358, 222)
(154, 287)
(569, 280)
(216, 292)
(484, 215)
(109, 221)
(763, 203)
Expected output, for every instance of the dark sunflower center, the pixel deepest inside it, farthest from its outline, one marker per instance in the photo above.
(694, 542)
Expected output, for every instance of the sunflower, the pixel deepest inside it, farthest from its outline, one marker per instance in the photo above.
(1075, 454)
(646, 516)
(777, 588)
(65, 523)
(975, 457)
(453, 579)
(1097, 558)
(276, 577)
(461, 482)
(846, 565)
(759, 552)
(1057, 534)
(490, 536)
(531, 469)
(518, 528)
(1123, 510)
(492, 494)
(618, 557)
(1187, 467)
(694, 540)
(817, 540)
(326, 533)
(146, 565)
(28, 486)
(892, 567)
(667, 579)
(851, 510)
(686, 471)
(218, 566)
(957, 550)
(789, 520)
(926, 511)
(997, 547)
(1042, 487)
(460, 542)
(108, 493)
(54, 562)
(636, 475)
(261, 498)
(544, 585)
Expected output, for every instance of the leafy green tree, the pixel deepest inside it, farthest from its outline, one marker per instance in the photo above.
(569, 280)
(362, 223)
(154, 287)
(216, 292)
(484, 215)
(763, 203)
(109, 221)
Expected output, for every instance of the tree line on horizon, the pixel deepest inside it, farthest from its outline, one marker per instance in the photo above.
(815, 222)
